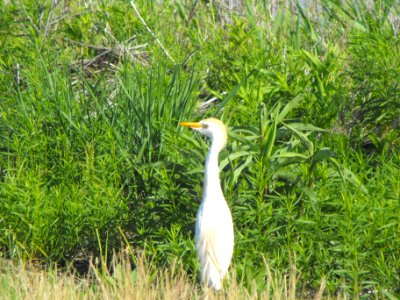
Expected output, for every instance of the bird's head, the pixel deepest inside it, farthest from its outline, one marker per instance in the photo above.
(213, 128)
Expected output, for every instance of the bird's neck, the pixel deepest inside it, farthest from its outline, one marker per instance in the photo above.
(212, 185)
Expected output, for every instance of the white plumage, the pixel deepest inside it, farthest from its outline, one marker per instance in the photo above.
(214, 227)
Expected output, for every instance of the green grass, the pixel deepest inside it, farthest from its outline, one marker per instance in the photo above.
(92, 159)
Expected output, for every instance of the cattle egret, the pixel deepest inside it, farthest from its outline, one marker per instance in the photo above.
(214, 227)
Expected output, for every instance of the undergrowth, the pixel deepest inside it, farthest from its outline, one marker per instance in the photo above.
(91, 156)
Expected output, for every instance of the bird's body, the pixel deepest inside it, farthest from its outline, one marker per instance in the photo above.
(214, 241)
(214, 228)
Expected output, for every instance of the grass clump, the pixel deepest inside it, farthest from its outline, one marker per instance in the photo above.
(26, 281)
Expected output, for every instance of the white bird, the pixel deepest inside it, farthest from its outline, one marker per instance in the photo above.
(214, 227)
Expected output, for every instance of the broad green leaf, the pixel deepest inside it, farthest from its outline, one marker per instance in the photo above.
(268, 141)
(306, 127)
(289, 154)
(302, 136)
(238, 170)
(232, 157)
(288, 108)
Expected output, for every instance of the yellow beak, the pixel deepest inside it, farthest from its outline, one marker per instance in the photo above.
(191, 124)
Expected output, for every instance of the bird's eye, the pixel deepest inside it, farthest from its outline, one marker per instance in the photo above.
(205, 126)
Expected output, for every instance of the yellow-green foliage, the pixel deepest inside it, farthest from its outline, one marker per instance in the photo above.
(20, 280)
(91, 94)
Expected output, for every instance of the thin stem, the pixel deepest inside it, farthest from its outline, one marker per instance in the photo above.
(151, 32)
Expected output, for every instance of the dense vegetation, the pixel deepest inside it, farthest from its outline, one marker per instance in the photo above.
(92, 159)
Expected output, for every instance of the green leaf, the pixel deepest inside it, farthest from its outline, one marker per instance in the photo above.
(306, 127)
(268, 141)
(347, 175)
(232, 157)
(302, 137)
(288, 108)
(289, 154)
(232, 93)
(238, 171)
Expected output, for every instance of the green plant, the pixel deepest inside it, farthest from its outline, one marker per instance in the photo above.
(90, 151)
